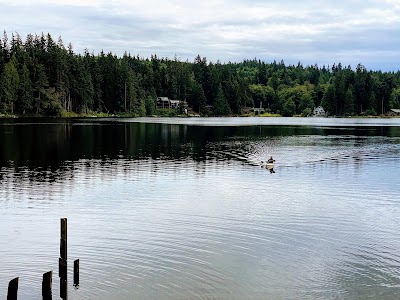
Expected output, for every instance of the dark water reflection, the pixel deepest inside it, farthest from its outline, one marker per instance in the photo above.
(50, 144)
(169, 211)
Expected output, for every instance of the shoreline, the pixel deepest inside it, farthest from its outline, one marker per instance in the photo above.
(122, 116)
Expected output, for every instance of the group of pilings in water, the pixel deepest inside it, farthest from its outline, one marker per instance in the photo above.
(47, 281)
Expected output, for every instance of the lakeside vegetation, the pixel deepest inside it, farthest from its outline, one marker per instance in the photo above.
(41, 77)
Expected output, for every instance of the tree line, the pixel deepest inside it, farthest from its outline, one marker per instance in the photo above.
(41, 76)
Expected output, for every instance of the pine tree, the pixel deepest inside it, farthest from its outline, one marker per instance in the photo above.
(328, 100)
(349, 103)
(9, 86)
(221, 105)
(25, 92)
(40, 88)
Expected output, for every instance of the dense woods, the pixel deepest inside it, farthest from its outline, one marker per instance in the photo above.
(41, 76)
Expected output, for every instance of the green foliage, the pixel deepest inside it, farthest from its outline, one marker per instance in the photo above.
(150, 106)
(370, 112)
(44, 77)
(25, 92)
(221, 105)
(349, 104)
(268, 114)
(296, 100)
(306, 112)
(40, 88)
(263, 95)
(52, 108)
(9, 83)
(166, 112)
(328, 100)
(289, 108)
(198, 98)
(395, 98)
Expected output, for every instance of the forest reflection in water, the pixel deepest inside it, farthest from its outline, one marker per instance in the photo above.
(49, 144)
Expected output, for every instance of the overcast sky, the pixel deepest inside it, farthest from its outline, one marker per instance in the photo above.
(310, 31)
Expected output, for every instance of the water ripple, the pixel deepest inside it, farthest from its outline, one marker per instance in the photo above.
(325, 225)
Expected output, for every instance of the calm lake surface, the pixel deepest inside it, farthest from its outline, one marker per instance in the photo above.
(182, 209)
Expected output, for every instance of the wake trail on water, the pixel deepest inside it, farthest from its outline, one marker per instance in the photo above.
(305, 150)
(260, 152)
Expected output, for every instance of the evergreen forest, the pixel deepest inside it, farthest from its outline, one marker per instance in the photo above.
(43, 77)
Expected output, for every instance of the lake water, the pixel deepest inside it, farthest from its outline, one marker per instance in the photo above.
(182, 209)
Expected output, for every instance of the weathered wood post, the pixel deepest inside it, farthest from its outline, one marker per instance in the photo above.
(76, 272)
(13, 289)
(62, 263)
(47, 284)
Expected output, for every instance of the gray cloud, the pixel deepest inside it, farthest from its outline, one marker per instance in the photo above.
(323, 32)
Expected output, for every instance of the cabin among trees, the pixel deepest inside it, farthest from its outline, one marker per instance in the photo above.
(165, 102)
(394, 112)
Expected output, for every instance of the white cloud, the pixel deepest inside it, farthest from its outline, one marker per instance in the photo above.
(20, 3)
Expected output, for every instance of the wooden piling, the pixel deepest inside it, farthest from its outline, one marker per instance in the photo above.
(62, 268)
(63, 240)
(76, 272)
(47, 284)
(47, 281)
(13, 289)
(63, 249)
(62, 262)
(63, 289)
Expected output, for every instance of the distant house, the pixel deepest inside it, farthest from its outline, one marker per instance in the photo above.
(319, 112)
(394, 112)
(174, 103)
(258, 111)
(165, 102)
